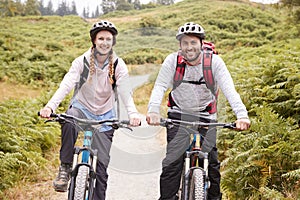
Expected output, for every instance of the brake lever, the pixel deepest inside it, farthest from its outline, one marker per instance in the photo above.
(49, 120)
(57, 119)
(117, 126)
(231, 125)
(166, 123)
(127, 127)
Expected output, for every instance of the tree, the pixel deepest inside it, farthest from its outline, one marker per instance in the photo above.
(73, 9)
(42, 9)
(32, 7)
(137, 4)
(63, 9)
(124, 5)
(20, 7)
(294, 6)
(49, 9)
(165, 2)
(108, 6)
(97, 13)
(290, 3)
(86, 12)
(8, 8)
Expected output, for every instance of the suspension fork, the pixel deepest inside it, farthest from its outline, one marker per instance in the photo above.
(186, 174)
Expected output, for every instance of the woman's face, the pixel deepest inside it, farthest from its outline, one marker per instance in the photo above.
(191, 47)
(104, 42)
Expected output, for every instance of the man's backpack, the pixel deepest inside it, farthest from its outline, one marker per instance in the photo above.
(208, 79)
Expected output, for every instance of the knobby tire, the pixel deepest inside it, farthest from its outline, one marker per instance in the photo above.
(81, 183)
(197, 185)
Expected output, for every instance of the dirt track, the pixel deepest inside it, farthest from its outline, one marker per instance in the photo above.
(136, 158)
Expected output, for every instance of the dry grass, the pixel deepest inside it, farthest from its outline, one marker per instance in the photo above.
(39, 187)
(13, 91)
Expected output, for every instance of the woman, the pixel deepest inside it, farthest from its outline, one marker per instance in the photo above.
(94, 98)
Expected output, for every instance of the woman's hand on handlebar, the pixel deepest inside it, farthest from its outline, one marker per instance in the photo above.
(135, 119)
(45, 112)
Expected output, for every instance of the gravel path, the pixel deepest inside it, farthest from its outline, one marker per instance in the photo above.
(136, 158)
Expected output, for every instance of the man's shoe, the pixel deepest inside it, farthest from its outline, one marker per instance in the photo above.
(216, 198)
(60, 184)
(173, 198)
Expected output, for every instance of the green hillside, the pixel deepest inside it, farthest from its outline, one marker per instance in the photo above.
(259, 44)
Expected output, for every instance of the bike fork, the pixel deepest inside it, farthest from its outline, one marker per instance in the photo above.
(186, 177)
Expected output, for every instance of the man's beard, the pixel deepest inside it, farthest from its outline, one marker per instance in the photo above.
(192, 59)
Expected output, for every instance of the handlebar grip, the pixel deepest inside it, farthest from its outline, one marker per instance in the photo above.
(231, 125)
(51, 115)
(164, 122)
(125, 122)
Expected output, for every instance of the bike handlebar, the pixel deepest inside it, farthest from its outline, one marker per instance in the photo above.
(114, 123)
(166, 122)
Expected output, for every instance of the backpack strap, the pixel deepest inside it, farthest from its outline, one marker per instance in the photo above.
(83, 77)
(114, 77)
(179, 73)
(85, 73)
(209, 79)
(207, 70)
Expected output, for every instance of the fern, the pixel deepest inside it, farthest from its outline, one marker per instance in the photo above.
(22, 143)
(254, 169)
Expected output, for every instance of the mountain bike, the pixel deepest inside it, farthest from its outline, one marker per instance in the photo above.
(83, 175)
(194, 179)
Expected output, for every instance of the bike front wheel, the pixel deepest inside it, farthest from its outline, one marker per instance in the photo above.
(197, 191)
(81, 184)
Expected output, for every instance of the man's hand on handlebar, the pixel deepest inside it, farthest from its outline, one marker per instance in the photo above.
(153, 119)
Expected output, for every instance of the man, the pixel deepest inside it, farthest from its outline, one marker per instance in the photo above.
(192, 100)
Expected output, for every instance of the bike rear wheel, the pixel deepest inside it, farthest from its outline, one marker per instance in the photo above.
(197, 185)
(81, 184)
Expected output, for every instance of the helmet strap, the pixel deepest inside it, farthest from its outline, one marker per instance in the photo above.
(96, 52)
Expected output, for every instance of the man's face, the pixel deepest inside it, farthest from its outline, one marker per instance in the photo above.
(191, 47)
(104, 42)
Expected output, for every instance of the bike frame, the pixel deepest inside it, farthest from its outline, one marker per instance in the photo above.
(88, 158)
(191, 162)
(194, 154)
(85, 157)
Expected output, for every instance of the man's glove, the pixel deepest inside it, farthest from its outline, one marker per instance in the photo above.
(153, 118)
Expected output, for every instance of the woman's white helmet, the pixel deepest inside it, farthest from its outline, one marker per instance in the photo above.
(103, 25)
(191, 28)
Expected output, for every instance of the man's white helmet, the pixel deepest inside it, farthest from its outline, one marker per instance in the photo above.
(191, 28)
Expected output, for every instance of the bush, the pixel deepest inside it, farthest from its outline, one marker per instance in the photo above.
(23, 141)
